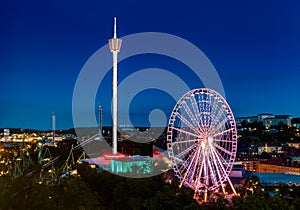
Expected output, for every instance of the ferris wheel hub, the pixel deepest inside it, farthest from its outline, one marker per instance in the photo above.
(210, 139)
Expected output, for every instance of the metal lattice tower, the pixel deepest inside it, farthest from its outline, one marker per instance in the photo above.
(53, 126)
(100, 122)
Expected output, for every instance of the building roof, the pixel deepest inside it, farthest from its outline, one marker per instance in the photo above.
(246, 117)
(273, 161)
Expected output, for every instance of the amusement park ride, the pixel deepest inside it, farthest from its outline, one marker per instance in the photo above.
(202, 142)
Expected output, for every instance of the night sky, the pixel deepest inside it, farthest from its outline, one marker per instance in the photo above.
(253, 45)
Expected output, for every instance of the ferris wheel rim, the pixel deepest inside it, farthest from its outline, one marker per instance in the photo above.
(215, 155)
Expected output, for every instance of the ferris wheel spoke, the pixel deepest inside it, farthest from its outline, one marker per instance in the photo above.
(189, 174)
(185, 132)
(204, 174)
(186, 151)
(218, 156)
(224, 140)
(202, 123)
(203, 115)
(195, 165)
(183, 167)
(223, 149)
(219, 126)
(190, 114)
(201, 112)
(217, 113)
(219, 117)
(215, 108)
(199, 175)
(217, 167)
(197, 113)
(218, 123)
(210, 103)
(212, 172)
(222, 132)
(188, 169)
(221, 158)
(195, 107)
(206, 171)
(185, 141)
(185, 121)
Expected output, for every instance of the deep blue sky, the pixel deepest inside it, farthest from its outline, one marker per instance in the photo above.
(254, 46)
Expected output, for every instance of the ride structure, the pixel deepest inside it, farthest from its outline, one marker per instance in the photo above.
(115, 46)
(202, 142)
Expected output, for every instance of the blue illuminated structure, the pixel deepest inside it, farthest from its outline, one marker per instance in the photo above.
(137, 165)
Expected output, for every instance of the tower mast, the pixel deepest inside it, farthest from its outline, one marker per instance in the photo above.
(53, 126)
(115, 46)
(100, 122)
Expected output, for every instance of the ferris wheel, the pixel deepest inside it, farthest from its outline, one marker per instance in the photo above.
(202, 142)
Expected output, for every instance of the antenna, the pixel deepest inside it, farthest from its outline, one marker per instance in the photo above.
(115, 27)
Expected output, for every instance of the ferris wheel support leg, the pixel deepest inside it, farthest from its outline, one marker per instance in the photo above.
(198, 180)
(205, 195)
(187, 171)
(223, 189)
(231, 185)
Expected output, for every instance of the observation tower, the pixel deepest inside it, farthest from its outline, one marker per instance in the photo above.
(115, 46)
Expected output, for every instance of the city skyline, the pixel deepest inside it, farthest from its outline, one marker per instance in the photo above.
(253, 46)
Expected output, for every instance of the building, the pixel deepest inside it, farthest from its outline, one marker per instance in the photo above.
(121, 164)
(262, 117)
(275, 120)
(134, 164)
(250, 164)
(269, 168)
(269, 120)
(237, 170)
(296, 122)
(268, 149)
(240, 120)
(294, 144)
(295, 161)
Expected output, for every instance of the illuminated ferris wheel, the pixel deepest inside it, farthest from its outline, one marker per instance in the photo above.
(202, 142)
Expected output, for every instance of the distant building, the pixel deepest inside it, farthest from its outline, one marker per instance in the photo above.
(240, 120)
(250, 164)
(294, 144)
(295, 161)
(237, 170)
(270, 168)
(296, 122)
(275, 120)
(6, 132)
(268, 120)
(268, 149)
(7, 136)
(262, 117)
